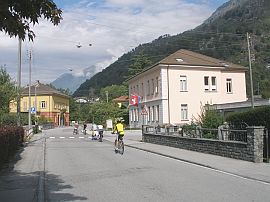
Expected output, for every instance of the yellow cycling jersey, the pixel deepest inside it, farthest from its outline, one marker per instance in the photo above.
(119, 128)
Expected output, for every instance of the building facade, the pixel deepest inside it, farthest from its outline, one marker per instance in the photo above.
(46, 102)
(174, 90)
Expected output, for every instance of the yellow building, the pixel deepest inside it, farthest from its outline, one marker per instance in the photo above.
(47, 101)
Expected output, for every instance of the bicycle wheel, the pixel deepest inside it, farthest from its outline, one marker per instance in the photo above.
(115, 148)
(121, 147)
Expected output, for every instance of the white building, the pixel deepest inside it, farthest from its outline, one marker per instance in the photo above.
(174, 90)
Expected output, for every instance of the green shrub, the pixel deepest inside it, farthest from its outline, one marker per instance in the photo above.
(254, 117)
(11, 137)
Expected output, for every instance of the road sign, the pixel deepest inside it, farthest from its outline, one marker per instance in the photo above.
(33, 110)
(144, 112)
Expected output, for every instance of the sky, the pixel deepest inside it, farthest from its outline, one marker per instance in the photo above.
(104, 29)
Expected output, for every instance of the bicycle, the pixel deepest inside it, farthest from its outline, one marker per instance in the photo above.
(119, 146)
(75, 131)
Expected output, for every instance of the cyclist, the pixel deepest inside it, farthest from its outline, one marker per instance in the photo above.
(75, 130)
(119, 128)
(84, 127)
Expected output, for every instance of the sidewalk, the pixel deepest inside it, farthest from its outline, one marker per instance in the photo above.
(249, 170)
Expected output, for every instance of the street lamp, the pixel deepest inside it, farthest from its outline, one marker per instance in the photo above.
(29, 95)
(19, 82)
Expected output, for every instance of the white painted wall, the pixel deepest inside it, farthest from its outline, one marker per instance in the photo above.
(195, 97)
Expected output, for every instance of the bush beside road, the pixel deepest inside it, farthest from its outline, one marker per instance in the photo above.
(11, 137)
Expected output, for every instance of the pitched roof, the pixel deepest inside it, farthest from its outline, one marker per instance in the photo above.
(42, 89)
(123, 98)
(186, 57)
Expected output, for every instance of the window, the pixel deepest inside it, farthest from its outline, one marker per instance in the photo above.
(149, 114)
(157, 84)
(153, 87)
(183, 83)
(229, 85)
(43, 104)
(148, 87)
(184, 112)
(137, 115)
(142, 91)
(131, 115)
(134, 115)
(214, 83)
(25, 106)
(157, 113)
(152, 113)
(206, 83)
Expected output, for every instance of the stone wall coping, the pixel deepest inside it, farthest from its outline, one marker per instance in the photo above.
(199, 139)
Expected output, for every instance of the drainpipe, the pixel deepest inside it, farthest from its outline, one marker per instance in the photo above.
(168, 85)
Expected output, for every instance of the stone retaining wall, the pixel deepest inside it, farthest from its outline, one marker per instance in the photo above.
(252, 150)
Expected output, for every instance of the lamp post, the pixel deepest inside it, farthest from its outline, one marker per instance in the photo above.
(19, 82)
(250, 72)
(107, 93)
(29, 95)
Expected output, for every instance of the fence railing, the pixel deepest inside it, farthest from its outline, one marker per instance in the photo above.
(225, 134)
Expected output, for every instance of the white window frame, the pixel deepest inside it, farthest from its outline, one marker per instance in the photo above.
(152, 113)
(206, 85)
(149, 115)
(142, 91)
(148, 87)
(43, 104)
(229, 85)
(137, 115)
(157, 113)
(184, 112)
(157, 84)
(153, 87)
(183, 83)
(214, 84)
(131, 115)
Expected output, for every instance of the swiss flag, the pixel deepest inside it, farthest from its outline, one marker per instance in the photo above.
(134, 100)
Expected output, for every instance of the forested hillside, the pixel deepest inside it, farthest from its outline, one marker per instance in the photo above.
(222, 36)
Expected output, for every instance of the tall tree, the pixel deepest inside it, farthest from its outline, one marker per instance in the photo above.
(141, 61)
(113, 92)
(16, 16)
(7, 90)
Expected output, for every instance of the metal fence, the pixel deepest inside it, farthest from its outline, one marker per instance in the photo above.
(221, 133)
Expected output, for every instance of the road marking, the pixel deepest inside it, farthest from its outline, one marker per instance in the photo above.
(90, 137)
(62, 137)
(71, 137)
(81, 137)
(52, 137)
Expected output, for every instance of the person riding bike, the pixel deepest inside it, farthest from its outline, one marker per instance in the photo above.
(119, 128)
(84, 128)
(76, 128)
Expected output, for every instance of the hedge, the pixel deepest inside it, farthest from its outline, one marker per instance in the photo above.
(11, 137)
(255, 117)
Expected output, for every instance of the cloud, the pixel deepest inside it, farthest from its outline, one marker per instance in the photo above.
(113, 27)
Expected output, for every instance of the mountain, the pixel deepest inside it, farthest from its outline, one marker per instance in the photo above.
(72, 81)
(68, 81)
(223, 35)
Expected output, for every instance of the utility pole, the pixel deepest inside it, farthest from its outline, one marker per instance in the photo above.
(19, 82)
(107, 93)
(29, 95)
(250, 72)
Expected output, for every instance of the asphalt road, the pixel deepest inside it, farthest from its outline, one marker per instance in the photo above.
(77, 168)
